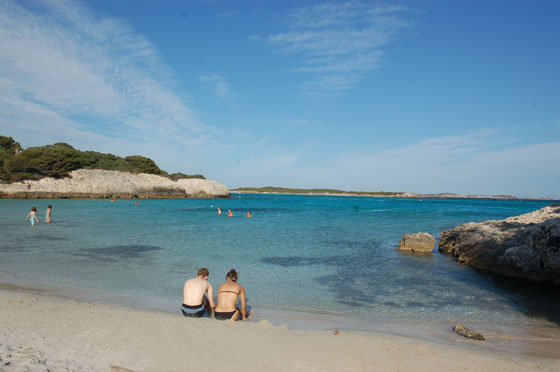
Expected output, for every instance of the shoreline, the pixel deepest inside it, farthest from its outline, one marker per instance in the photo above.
(537, 341)
(56, 333)
(115, 195)
(405, 195)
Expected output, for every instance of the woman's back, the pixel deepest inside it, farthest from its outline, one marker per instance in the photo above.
(227, 296)
(227, 299)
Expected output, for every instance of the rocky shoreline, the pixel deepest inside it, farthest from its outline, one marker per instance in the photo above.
(97, 184)
(525, 247)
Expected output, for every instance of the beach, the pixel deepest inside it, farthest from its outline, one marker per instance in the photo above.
(372, 183)
(101, 286)
(51, 333)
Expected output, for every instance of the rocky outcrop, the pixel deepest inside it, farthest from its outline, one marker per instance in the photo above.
(525, 247)
(95, 183)
(420, 243)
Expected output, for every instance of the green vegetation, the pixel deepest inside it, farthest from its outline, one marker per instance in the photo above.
(284, 190)
(8, 147)
(59, 159)
(179, 176)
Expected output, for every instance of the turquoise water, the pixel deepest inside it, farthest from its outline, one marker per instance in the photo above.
(318, 254)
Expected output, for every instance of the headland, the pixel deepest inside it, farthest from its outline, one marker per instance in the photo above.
(97, 183)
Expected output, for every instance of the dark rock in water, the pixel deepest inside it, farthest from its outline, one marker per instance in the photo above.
(465, 332)
(525, 247)
(420, 242)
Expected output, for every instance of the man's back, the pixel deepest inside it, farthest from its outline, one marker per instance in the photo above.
(194, 290)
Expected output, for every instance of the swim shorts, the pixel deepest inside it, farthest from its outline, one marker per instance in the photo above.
(192, 311)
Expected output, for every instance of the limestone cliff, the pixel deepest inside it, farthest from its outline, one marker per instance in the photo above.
(524, 247)
(95, 183)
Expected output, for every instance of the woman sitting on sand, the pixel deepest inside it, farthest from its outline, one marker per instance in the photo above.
(227, 299)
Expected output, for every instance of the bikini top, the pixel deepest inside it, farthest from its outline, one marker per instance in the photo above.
(229, 292)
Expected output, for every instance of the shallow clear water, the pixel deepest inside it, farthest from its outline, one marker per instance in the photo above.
(334, 255)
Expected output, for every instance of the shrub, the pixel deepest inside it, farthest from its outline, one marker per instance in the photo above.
(141, 164)
(179, 176)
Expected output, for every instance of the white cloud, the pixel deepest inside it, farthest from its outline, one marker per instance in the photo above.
(340, 43)
(472, 163)
(301, 123)
(227, 15)
(70, 74)
(220, 86)
(475, 163)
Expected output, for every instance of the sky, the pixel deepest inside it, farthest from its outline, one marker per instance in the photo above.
(411, 96)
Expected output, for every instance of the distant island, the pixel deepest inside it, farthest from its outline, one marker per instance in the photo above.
(379, 194)
(61, 171)
(285, 190)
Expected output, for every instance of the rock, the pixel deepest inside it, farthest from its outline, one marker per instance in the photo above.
(465, 332)
(420, 242)
(197, 188)
(96, 183)
(525, 247)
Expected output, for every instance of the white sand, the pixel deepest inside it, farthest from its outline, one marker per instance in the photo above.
(48, 333)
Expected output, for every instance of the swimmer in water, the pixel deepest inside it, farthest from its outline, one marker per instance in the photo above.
(48, 214)
(219, 211)
(249, 214)
(32, 216)
(229, 214)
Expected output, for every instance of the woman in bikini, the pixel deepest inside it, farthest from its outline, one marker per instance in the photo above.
(227, 299)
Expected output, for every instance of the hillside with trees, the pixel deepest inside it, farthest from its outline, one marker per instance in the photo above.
(59, 159)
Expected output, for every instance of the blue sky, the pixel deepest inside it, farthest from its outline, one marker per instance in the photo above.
(417, 96)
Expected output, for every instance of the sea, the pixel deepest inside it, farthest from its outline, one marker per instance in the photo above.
(316, 262)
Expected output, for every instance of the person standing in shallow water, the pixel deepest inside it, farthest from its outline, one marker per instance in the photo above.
(32, 216)
(229, 213)
(227, 299)
(48, 214)
(198, 294)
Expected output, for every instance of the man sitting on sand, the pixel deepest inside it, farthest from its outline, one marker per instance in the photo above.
(227, 299)
(194, 295)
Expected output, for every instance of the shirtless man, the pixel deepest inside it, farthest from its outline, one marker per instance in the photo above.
(227, 299)
(198, 295)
